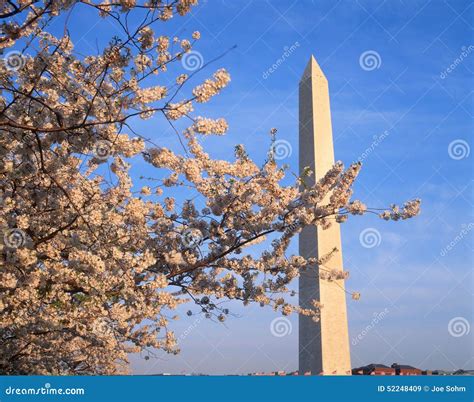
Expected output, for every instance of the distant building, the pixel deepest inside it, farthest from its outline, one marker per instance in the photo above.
(374, 369)
(274, 373)
(463, 372)
(441, 372)
(402, 369)
(370, 369)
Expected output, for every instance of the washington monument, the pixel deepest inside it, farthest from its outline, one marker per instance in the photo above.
(323, 345)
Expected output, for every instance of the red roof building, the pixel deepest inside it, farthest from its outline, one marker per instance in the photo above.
(374, 369)
(402, 369)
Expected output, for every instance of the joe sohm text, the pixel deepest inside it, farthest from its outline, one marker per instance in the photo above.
(419, 388)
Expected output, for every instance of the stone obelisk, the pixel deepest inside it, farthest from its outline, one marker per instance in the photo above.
(323, 345)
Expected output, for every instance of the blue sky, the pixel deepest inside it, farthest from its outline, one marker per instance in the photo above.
(423, 106)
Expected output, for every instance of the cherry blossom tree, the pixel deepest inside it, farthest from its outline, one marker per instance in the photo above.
(93, 267)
